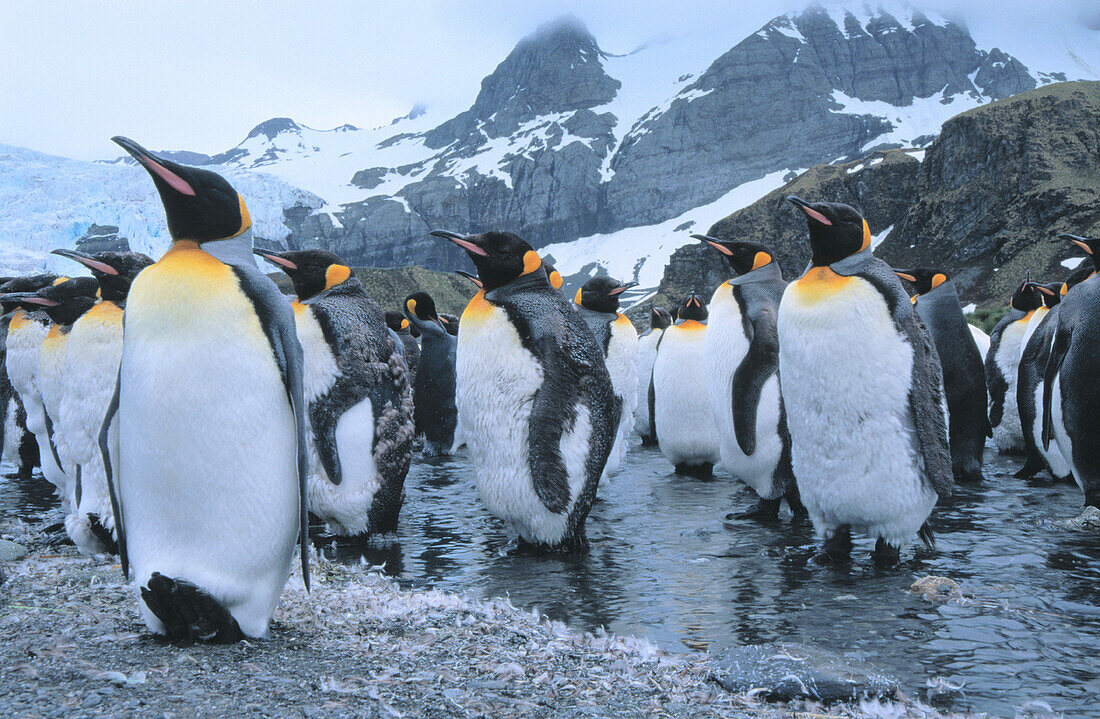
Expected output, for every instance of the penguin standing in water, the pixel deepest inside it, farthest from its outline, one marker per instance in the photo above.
(1002, 366)
(357, 390)
(863, 392)
(89, 370)
(742, 360)
(27, 330)
(659, 321)
(1029, 384)
(208, 465)
(536, 401)
(20, 447)
(399, 324)
(938, 307)
(682, 414)
(598, 303)
(434, 392)
(1071, 395)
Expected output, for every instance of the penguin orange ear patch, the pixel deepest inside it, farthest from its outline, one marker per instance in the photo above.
(761, 259)
(938, 279)
(411, 304)
(404, 324)
(866, 236)
(531, 262)
(556, 280)
(577, 299)
(335, 274)
(246, 218)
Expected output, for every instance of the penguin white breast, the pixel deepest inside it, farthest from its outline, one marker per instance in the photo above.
(846, 373)
(1008, 435)
(681, 408)
(981, 339)
(207, 438)
(24, 345)
(647, 353)
(1032, 325)
(496, 383)
(90, 371)
(724, 350)
(319, 368)
(622, 365)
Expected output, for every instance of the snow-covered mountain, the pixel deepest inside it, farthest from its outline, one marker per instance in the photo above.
(602, 160)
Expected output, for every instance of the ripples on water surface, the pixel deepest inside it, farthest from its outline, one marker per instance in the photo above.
(666, 565)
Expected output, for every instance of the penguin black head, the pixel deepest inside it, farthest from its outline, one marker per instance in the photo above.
(200, 205)
(28, 284)
(659, 318)
(500, 257)
(1050, 293)
(836, 230)
(1091, 246)
(693, 308)
(601, 294)
(1027, 297)
(923, 279)
(114, 270)
(311, 271)
(420, 309)
(556, 280)
(397, 322)
(674, 313)
(64, 301)
(1075, 278)
(743, 256)
(450, 322)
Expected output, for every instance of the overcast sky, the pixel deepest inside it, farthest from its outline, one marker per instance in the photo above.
(198, 75)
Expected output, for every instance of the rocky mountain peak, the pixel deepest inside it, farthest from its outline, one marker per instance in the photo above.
(556, 69)
(274, 127)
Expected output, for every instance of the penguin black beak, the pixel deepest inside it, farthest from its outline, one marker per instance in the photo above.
(275, 258)
(810, 211)
(1081, 242)
(716, 244)
(154, 165)
(87, 260)
(460, 240)
(28, 298)
(622, 288)
(471, 278)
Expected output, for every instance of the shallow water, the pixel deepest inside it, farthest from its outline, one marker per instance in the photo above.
(665, 564)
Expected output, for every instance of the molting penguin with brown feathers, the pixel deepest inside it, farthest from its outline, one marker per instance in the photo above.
(400, 326)
(598, 303)
(90, 368)
(742, 359)
(937, 304)
(210, 454)
(863, 391)
(357, 390)
(537, 405)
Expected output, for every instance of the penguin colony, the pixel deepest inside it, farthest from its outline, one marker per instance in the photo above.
(190, 416)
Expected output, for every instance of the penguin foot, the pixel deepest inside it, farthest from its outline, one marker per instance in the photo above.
(885, 555)
(766, 510)
(838, 547)
(649, 440)
(698, 471)
(1068, 479)
(189, 614)
(102, 534)
(798, 509)
(1031, 468)
(927, 537)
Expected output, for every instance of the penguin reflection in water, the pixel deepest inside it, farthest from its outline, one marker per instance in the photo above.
(435, 414)
(742, 360)
(682, 414)
(356, 385)
(209, 460)
(539, 414)
(863, 392)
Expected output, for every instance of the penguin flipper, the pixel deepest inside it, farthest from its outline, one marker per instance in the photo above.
(1058, 351)
(108, 449)
(277, 320)
(555, 405)
(651, 395)
(998, 384)
(759, 364)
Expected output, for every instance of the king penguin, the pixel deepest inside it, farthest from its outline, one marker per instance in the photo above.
(742, 361)
(863, 392)
(209, 462)
(597, 302)
(434, 392)
(659, 321)
(1071, 396)
(537, 405)
(356, 387)
(682, 414)
(401, 327)
(27, 331)
(1002, 365)
(937, 304)
(89, 369)
(1029, 383)
(20, 447)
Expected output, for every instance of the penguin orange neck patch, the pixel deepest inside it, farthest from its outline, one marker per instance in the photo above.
(622, 319)
(478, 308)
(819, 283)
(692, 326)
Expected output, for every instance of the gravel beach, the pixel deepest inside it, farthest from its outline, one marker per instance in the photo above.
(358, 645)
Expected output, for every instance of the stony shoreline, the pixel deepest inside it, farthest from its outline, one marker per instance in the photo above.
(358, 645)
